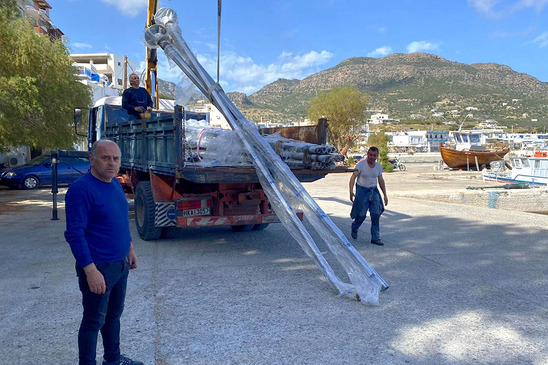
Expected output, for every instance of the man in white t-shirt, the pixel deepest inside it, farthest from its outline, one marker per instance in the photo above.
(367, 198)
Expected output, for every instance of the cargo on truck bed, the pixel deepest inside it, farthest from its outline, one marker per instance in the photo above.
(183, 173)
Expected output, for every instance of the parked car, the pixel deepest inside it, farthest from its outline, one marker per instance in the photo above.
(37, 172)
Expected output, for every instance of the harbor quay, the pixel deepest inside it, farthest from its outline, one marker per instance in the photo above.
(468, 284)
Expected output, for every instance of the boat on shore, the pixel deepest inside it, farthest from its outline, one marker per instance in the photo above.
(525, 169)
(472, 158)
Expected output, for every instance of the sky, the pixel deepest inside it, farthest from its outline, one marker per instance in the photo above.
(264, 40)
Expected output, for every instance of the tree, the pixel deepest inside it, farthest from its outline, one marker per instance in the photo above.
(344, 108)
(9, 6)
(380, 140)
(38, 86)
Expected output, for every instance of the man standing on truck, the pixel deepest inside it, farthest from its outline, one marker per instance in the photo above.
(99, 236)
(368, 172)
(136, 99)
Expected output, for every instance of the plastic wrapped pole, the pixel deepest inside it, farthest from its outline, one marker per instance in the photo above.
(282, 188)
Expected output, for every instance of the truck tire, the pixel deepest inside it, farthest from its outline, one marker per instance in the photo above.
(260, 226)
(145, 209)
(243, 228)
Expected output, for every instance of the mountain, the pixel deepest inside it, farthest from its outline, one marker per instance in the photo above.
(410, 87)
(166, 89)
(406, 85)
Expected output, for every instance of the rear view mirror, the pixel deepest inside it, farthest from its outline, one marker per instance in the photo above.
(78, 120)
(77, 117)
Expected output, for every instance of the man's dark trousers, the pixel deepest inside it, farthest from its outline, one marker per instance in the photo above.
(102, 312)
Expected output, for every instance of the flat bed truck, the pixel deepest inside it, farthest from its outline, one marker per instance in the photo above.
(168, 191)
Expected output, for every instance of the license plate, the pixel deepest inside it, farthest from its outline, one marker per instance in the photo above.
(197, 211)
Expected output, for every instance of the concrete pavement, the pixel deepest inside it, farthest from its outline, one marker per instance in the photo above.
(468, 285)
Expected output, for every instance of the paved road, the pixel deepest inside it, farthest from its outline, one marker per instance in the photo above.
(468, 285)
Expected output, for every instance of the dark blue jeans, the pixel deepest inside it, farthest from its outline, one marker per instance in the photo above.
(102, 312)
(367, 199)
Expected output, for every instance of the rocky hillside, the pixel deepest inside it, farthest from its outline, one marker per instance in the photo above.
(166, 89)
(415, 86)
(408, 86)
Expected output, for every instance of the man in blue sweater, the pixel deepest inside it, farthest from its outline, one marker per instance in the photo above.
(136, 99)
(99, 236)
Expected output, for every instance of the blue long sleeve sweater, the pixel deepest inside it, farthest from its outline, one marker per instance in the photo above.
(97, 221)
(133, 97)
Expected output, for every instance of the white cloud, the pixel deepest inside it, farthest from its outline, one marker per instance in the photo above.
(541, 40)
(483, 6)
(243, 74)
(497, 8)
(78, 45)
(380, 52)
(508, 35)
(130, 8)
(420, 46)
(538, 5)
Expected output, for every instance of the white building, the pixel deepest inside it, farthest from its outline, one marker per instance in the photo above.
(378, 118)
(404, 141)
(490, 124)
(103, 73)
(109, 67)
(526, 140)
(216, 119)
(37, 13)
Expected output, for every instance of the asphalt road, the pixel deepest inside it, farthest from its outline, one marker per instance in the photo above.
(468, 285)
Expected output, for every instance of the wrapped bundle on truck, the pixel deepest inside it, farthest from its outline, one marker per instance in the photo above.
(181, 173)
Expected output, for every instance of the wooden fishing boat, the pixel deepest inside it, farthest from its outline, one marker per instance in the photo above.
(473, 158)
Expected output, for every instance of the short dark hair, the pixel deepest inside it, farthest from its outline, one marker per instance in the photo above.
(374, 149)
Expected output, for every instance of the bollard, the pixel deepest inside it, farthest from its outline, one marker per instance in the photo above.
(54, 190)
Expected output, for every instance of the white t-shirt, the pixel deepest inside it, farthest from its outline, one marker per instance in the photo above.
(368, 175)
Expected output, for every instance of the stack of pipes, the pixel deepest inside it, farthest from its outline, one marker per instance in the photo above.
(303, 154)
(295, 154)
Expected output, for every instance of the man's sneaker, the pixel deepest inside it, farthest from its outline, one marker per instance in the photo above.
(378, 242)
(354, 234)
(123, 361)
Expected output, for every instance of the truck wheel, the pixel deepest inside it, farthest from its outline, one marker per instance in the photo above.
(243, 228)
(260, 226)
(144, 212)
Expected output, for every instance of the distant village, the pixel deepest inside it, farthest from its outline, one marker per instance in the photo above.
(485, 133)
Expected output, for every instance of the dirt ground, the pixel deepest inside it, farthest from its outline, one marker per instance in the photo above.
(468, 285)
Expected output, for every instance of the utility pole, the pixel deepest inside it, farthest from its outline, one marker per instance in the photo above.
(125, 72)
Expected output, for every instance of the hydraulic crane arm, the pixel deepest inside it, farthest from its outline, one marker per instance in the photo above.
(151, 81)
